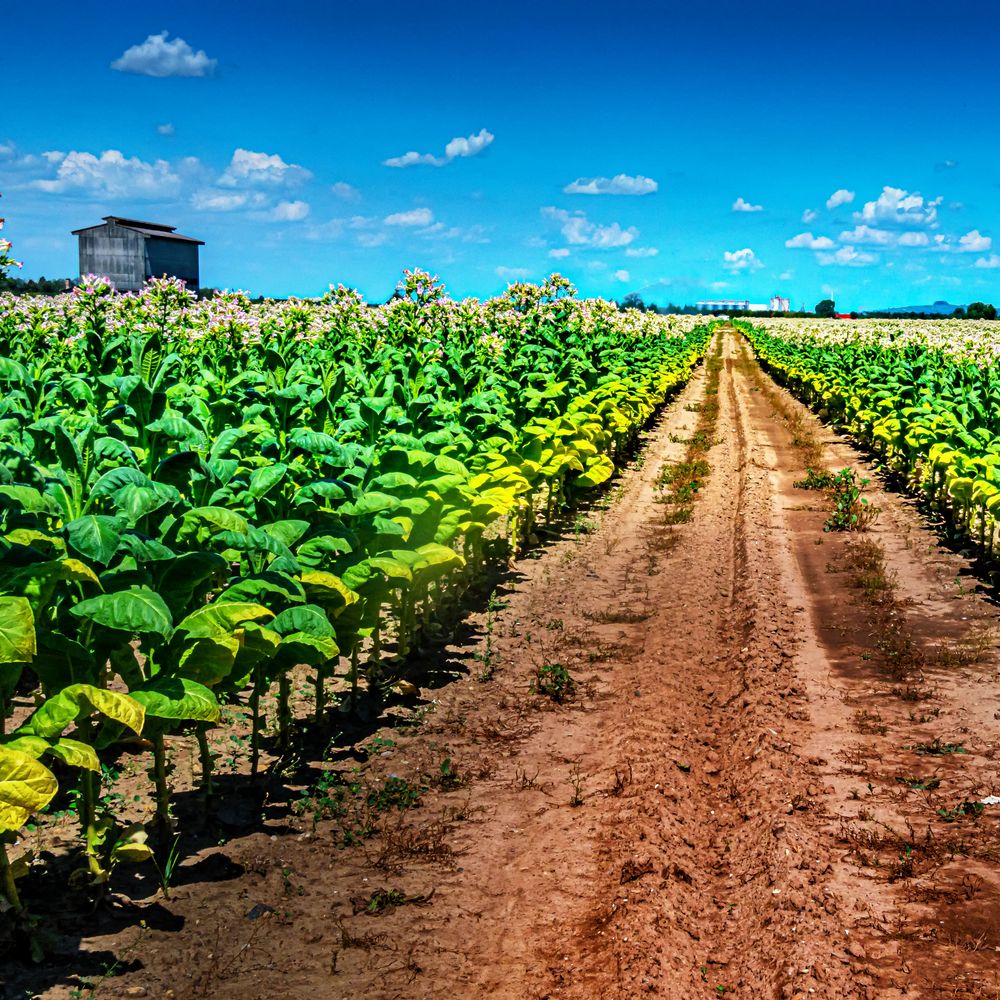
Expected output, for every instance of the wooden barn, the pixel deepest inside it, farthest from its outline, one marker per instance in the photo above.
(128, 251)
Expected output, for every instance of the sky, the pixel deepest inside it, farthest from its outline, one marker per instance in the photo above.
(681, 151)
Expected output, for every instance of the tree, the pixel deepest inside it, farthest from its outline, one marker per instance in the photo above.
(981, 310)
(633, 301)
(826, 308)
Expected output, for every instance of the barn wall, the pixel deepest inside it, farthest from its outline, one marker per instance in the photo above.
(172, 257)
(115, 252)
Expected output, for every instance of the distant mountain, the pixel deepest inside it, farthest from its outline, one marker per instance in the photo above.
(939, 308)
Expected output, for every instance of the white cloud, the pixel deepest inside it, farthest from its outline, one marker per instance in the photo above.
(913, 238)
(455, 149)
(718, 286)
(809, 215)
(641, 252)
(248, 167)
(371, 240)
(472, 146)
(289, 211)
(415, 217)
(991, 262)
(741, 205)
(110, 175)
(974, 242)
(866, 234)
(217, 201)
(514, 273)
(158, 57)
(621, 275)
(559, 252)
(846, 257)
(741, 260)
(167, 128)
(619, 184)
(580, 231)
(806, 241)
(839, 197)
(901, 208)
(345, 191)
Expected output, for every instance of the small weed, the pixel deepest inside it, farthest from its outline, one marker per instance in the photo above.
(386, 900)
(921, 784)
(555, 681)
(576, 781)
(965, 808)
(851, 511)
(816, 479)
(938, 749)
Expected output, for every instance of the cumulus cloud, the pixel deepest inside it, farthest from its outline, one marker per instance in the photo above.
(580, 231)
(846, 257)
(167, 128)
(742, 205)
(157, 56)
(415, 217)
(345, 191)
(456, 148)
(894, 206)
(289, 211)
(559, 252)
(809, 215)
(641, 252)
(248, 168)
(839, 197)
(111, 175)
(619, 184)
(741, 260)
(913, 238)
(974, 242)
(513, 273)
(991, 262)
(806, 241)
(621, 275)
(217, 201)
(866, 234)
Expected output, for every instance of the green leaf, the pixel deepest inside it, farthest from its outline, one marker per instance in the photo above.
(177, 698)
(138, 610)
(71, 752)
(79, 700)
(307, 618)
(94, 536)
(25, 787)
(17, 630)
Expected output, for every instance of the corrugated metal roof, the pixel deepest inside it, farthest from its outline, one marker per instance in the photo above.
(152, 230)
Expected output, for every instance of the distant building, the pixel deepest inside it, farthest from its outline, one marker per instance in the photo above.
(128, 252)
(777, 304)
(723, 305)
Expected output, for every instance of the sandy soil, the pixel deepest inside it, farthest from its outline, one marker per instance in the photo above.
(730, 802)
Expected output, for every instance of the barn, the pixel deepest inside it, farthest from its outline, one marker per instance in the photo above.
(128, 251)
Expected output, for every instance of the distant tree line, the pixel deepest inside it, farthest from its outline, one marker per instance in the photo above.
(824, 308)
(34, 286)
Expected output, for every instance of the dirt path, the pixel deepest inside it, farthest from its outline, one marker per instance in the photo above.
(731, 802)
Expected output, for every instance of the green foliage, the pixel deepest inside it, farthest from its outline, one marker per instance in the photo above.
(851, 510)
(554, 681)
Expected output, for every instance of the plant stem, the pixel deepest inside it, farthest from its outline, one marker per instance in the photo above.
(162, 788)
(205, 755)
(7, 885)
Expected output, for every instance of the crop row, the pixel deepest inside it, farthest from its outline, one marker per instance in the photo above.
(198, 498)
(928, 405)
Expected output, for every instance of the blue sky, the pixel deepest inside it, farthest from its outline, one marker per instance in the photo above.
(682, 151)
